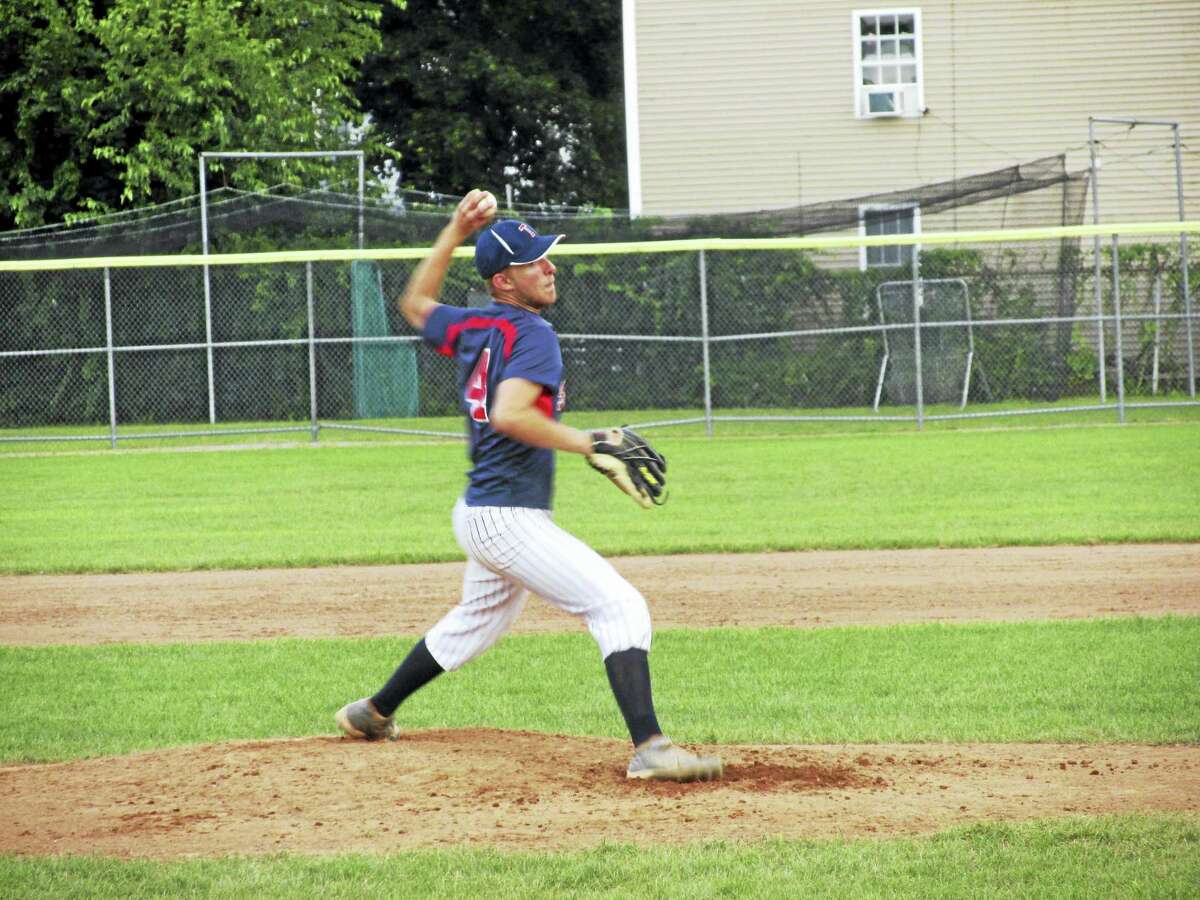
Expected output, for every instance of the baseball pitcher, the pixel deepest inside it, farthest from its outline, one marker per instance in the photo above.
(510, 380)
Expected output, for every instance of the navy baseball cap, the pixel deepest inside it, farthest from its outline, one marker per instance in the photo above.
(510, 243)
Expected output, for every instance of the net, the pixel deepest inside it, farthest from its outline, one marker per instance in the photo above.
(946, 335)
(1038, 192)
(285, 216)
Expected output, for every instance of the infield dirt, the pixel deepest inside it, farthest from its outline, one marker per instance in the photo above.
(750, 590)
(522, 790)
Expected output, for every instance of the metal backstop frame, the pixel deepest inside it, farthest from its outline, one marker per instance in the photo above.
(1134, 122)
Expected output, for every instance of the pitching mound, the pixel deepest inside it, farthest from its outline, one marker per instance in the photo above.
(519, 790)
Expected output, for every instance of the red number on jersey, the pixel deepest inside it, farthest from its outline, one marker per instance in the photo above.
(477, 388)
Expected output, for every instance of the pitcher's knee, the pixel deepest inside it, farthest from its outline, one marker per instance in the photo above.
(622, 622)
(461, 636)
(452, 651)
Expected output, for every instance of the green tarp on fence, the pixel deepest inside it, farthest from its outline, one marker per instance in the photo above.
(385, 374)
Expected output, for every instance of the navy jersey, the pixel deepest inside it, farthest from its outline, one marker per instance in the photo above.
(491, 344)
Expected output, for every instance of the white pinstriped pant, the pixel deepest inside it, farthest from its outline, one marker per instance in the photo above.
(511, 551)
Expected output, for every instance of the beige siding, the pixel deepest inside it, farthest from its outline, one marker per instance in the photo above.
(751, 105)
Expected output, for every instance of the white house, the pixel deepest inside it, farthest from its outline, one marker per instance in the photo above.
(767, 105)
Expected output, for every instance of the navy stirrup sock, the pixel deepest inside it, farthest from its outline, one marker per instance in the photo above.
(629, 676)
(418, 669)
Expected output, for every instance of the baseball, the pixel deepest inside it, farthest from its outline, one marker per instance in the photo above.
(486, 203)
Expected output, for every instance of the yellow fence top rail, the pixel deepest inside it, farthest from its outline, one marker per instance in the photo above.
(1003, 235)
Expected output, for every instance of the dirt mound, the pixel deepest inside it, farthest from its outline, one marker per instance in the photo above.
(520, 790)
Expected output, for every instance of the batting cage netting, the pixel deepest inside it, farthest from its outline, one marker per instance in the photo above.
(274, 213)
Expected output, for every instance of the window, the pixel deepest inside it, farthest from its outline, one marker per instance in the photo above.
(874, 220)
(887, 63)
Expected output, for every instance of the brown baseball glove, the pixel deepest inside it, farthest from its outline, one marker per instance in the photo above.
(631, 464)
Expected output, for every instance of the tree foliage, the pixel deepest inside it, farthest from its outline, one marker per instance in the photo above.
(485, 93)
(106, 104)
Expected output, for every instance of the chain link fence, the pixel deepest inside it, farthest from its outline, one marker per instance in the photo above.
(659, 335)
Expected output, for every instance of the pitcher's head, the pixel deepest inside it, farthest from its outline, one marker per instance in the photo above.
(513, 259)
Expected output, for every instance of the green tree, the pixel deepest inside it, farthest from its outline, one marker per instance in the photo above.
(106, 104)
(523, 92)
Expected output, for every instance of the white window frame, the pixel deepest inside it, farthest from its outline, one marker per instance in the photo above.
(885, 207)
(913, 95)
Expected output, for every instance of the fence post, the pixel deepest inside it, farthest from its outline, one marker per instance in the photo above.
(108, 346)
(1156, 293)
(208, 347)
(1116, 289)
(312, 353)
(1183, 258)
(708, 425)
(1094, 177)
(361, 185)
(917, 299)
(212, 400)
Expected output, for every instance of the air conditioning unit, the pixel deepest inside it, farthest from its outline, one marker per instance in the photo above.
(889, 101)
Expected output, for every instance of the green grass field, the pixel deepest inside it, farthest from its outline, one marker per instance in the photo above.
(1127, 857)
(1132, 680)
(1069, 412)
(1121, 680)
(304, 506)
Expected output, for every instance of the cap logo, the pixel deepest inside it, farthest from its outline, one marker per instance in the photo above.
(525, 228)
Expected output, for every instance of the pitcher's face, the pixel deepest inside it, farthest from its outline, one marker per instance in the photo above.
(530, 285)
